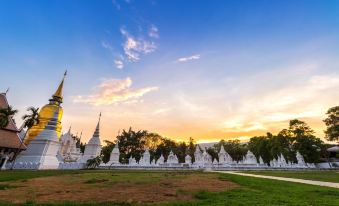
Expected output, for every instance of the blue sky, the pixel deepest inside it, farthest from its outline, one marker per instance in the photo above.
(206, 69)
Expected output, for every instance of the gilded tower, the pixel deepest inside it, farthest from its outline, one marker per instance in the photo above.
(47, 112)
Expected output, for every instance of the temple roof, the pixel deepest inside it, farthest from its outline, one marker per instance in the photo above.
(9, 136)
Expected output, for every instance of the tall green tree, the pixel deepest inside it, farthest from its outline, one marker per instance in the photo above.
(299, 128)
(332, 124)
(191, 148)
(304, 141)
(181, 151)
(310, 147)
(282, 144)
(131, 143)
(5, 115)
(152, 142)
(165, 147)
(260, 146)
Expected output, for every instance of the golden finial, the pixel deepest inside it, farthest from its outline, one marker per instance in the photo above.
(58, 92)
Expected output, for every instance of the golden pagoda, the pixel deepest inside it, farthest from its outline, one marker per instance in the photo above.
(46, 113)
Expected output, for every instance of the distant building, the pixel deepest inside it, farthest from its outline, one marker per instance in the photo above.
(9, 137)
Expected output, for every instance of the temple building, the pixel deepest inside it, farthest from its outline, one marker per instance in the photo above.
(69, 148)
(46, 114)
(10, 141)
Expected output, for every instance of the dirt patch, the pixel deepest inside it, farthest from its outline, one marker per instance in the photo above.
(75, 189)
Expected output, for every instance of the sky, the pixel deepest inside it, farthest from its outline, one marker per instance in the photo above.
(209, 70)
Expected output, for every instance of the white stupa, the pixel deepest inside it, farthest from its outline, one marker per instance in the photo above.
(250, 158)
(224, 157)
(160, 160)
(198, 156)
(145, 159)
(300, 159)
(172, 158)
(93, 147)
(115, 154)
(42, 151)
(188, 159)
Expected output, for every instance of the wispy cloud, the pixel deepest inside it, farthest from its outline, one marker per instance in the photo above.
(153, 32)
(135, 47)
(119, 63)
(113, 91)
(189, 58)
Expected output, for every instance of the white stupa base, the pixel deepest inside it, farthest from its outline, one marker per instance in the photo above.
(40, 155)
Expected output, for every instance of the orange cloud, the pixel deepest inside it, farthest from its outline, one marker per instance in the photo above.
(112, 91)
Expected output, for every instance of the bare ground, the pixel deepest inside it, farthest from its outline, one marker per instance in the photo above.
(75, 188)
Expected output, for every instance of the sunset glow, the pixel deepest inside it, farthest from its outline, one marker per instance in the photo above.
(225, 70)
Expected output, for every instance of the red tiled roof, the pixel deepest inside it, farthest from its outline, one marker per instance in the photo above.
(9, 136)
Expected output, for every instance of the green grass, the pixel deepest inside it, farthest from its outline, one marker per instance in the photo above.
(256, 191)
(8, 175)
(252, 191)
(326, 176)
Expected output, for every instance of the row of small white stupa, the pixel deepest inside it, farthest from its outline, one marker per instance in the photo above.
(204, 160)
(47, 152)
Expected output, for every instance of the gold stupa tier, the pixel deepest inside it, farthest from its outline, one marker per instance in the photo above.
(46, 113)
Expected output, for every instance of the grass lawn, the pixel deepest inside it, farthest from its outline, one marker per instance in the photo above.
(326, 176)
(116, 187)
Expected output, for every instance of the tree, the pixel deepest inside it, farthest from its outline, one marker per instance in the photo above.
(106, 151)
(165, 147)
(332, 123)
(30, 119)
(213, 152)
(300, 137)
(181, 150)
(282, 144)
(131, 143)
(235, 149)
(260, 146)
(310, 147)
(191, 148)
(94, 162)
(299, 128)
(152, 142)
(5, 115)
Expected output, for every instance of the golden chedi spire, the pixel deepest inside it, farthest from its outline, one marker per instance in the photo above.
(47, 112)
(57, 96)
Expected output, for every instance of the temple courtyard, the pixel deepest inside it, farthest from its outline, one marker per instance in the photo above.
(132, 187)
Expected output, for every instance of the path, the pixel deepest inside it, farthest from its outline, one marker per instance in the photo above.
(310, 182)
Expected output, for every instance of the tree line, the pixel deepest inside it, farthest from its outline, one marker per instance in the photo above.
(299, 136)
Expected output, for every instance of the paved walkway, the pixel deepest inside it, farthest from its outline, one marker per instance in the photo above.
(310, 182)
